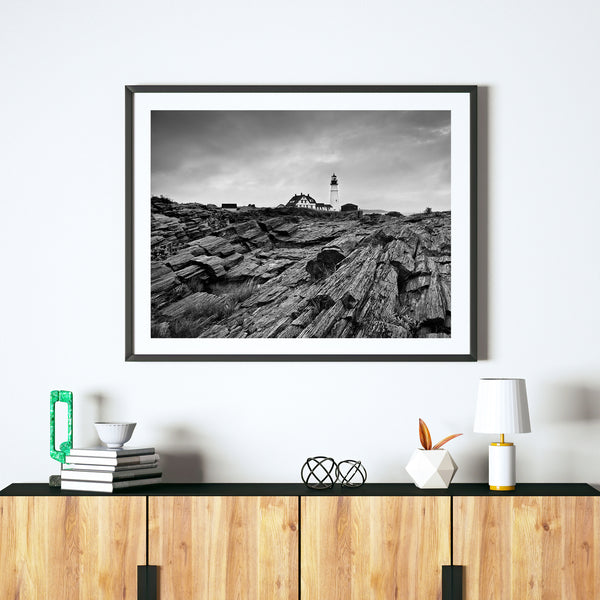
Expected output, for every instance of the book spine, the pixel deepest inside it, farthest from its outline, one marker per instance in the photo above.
(107, 468)
(102, 453)
(109, 477)
(97, 486)
(126, 460)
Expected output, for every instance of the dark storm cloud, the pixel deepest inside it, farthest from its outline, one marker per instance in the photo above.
(390, 160)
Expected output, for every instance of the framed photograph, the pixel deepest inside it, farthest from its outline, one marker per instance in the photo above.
(301, 223)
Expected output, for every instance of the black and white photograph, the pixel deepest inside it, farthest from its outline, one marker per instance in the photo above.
(279, 224)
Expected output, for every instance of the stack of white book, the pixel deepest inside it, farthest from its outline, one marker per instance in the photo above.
(105, 470)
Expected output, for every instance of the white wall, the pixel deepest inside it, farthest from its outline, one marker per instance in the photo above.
(63, 68)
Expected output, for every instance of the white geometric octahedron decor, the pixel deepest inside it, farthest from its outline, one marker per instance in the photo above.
(431, 468)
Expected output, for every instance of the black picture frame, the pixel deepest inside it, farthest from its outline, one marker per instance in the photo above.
(133, 353)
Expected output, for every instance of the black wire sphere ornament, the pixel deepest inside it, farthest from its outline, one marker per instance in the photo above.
(319, 472)
(351, 473)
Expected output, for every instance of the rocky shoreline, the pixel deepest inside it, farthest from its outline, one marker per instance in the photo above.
(293, 273)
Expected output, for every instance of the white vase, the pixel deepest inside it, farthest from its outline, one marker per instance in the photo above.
(431, 468)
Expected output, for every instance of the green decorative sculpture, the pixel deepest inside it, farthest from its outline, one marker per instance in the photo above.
(61, 396)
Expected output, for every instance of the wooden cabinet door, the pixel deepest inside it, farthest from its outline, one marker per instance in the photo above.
(224, 548)
(71, 547)
(374, 548)
(528, 548)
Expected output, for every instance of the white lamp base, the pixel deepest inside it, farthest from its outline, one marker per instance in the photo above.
(502, 466)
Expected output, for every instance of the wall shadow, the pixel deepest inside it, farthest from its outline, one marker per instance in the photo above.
(98, 402)
(566, 403)
(87, 410)
(567, 420)
(180, 462)
(472, 461)
(178, 445)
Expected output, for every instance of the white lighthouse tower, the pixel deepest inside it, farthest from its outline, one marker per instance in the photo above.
(334, 194)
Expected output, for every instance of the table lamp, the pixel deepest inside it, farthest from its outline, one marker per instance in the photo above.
(502, 408)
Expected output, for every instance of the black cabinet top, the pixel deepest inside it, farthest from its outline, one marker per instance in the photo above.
(299, 489)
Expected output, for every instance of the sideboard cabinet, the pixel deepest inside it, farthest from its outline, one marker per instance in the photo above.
(224, 547)
(286, 542)
(528, 547)
(68, 548)
(359, 547)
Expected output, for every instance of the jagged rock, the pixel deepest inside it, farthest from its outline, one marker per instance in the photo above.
(280, 227)
(163, 283)
(251, 233)
(403, 249)
(432, 304)
(252, 267)
(244, 270)
(213, 265)
(378, 315)
(350, 281)
(264, 296)
(295, 254)
(327, 260)
(192, 271)
(323, 266)
(196, 250)
(159, 269)
(181, 260)
(232, 260)
(271, 268)
(215, 246)
(310, 233)
(346, 289)
(285, 231)
(417, 283)
(303, 320)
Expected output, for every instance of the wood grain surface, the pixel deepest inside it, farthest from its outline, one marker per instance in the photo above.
(225, 548)
(374, 548)
(71, 547)
(528, 548)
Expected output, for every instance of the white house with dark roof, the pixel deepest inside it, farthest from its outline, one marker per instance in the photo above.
(301, 201)
(307, 201)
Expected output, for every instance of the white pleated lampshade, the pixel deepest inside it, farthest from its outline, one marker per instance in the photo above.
(502, 407)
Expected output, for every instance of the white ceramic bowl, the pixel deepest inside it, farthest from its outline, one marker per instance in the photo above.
(114, 435)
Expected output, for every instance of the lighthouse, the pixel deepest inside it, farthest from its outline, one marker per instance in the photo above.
(334, 194)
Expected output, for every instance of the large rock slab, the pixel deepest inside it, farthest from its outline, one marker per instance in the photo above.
(213, 265)
(179, 261)
(327, 260)
(215, 246)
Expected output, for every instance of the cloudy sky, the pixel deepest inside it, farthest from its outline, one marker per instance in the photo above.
(387, 160)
